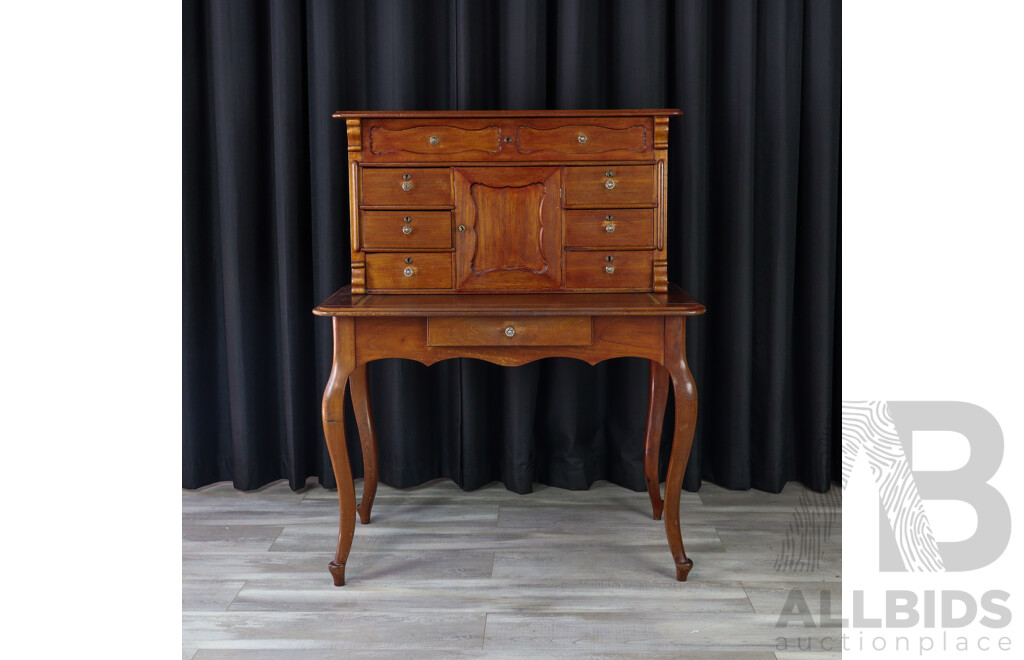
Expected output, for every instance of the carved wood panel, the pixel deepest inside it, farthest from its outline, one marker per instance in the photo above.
(508, 228)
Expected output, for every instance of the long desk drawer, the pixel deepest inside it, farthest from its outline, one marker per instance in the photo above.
(509, 331)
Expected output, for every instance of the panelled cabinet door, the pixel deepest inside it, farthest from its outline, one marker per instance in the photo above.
(508, 228)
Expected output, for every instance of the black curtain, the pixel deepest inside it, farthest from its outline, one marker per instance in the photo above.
(753, 229)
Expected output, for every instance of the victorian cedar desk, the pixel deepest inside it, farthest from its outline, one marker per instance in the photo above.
(508, 237)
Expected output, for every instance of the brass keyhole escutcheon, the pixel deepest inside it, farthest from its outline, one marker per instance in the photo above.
(408, 260)
(609, 258)
(508, 140)
(462, 227)
(406, 176)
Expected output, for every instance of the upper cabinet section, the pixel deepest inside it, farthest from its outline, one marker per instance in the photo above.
(521, 138)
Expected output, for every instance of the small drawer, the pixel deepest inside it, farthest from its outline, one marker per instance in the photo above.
(609, 185)
(409, 270)
(609, 228)
(509, 331)
(437, 139)
(609, 270)
(582, 139)
(406, 186)
(406, 230)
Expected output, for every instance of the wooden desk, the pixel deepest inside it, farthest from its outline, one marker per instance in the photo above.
(509, 237)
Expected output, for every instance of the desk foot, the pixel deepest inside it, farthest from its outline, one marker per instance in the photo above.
(338, 573)
(364, 511)
(682, 570)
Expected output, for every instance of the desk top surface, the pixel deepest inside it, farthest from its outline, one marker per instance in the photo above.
(421, 114)
(675, 302)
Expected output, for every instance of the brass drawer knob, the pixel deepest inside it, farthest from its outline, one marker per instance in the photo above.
(408, 272)
(510, 331)
(407, 186)
(609, 184)
(434, 140)
(607, 228)
(407, 229)
(582, 138)
(609, 269)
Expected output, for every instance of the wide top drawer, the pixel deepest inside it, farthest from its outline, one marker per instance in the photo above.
(505, 139)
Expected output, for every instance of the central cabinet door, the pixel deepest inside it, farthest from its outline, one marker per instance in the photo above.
(509, 233)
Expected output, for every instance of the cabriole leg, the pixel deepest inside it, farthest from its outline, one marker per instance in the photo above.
(334, 432)
(658, 398)
(682, 437)
(360, 389)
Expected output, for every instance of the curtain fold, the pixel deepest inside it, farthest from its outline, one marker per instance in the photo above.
(753, 231)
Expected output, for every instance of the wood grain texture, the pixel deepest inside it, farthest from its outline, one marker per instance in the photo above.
(379, 338)
(552, 574)
(583, 138)
(333, 413)
(657, 399)
(674, 302)
(509, 228)
(491, 232)
(590, 186)
(428, 270)
(590, 270)
(685, 392)
(402, 230)
(359, 384)
(385, 186)
(613, 160)
(590, 228)
(441, 139)
(494, 331)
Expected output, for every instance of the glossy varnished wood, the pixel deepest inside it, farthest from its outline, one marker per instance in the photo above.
(674, 302)
(657, 399)
(404, 230)
(509, 331)
(406, 187)
(408, 270)
(508, 228)
(609, 228)
(608, 269)
(508, 237)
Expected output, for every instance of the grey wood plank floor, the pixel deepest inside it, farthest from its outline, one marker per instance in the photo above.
(441, 573)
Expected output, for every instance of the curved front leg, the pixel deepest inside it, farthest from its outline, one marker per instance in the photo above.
(334, 431)
(658, 398)
(360, 388)
(682, 437)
